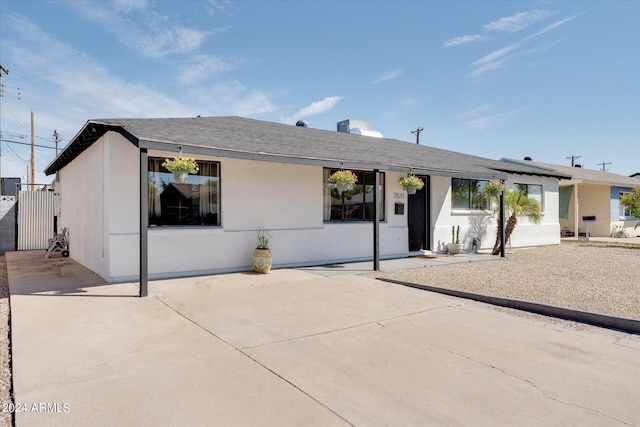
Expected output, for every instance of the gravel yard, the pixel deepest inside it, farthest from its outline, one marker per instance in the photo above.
(5, 366)
(585, 277)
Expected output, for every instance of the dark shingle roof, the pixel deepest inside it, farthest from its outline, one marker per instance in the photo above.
(259, 140)
(583, 175)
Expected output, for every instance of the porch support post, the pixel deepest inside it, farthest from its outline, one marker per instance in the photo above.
(144, 223)
(376, 220)
(501, 225)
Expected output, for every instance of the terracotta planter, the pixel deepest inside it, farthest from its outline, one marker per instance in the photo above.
(262, 260)
(454, 248)
(180, 176)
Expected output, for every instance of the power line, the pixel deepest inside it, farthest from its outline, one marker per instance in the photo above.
(16, 154)
(603, 164)
(417, 134)
(26, 143)
(573, 159)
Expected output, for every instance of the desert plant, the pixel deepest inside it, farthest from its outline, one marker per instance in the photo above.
(516, 203)
(264, 236)
(455, 234)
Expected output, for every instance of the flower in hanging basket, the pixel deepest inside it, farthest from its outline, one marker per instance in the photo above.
(181, 164)
(411, 181)
(343, 177)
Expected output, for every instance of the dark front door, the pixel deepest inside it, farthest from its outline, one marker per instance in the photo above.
(418, 220)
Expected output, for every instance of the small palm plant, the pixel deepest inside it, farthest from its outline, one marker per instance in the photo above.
(516, 203)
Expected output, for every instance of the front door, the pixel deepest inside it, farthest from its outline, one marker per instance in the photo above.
(418, 220)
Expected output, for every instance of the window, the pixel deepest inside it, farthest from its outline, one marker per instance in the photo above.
(196, 202)
(532, 191)
(624, 212)
(354, 204)
(467, 194)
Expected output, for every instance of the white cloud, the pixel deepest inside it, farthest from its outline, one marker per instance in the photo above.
(318, 107)
(389, 75)
(479, 110)
(483, 122)
(519, 21)
(202, 67)
(496, 59)
(218, 6)
(231, 98)
(130, 5)
(154, 36)
(462, 40)
(254, 103)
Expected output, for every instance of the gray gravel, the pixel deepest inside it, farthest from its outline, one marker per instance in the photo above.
(592, 278)
(5, 361)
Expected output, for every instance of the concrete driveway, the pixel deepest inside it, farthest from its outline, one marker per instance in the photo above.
(298, 348)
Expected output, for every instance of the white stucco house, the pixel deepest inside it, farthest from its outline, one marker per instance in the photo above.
(126, 217)
(591, 193)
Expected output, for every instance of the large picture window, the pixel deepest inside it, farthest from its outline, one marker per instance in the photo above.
(467, 194)
(195, 202)
(532, 191)
(356, 203)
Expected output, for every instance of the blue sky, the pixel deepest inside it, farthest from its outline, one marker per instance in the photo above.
(546, 79)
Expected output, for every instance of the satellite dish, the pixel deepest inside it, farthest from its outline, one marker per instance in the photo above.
(302, 124)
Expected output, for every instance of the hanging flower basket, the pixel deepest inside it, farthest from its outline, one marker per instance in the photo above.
(411, 183)
(180, 176)
(181, 167)
(343, 179)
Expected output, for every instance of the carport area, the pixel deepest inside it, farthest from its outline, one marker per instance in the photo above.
(294, 348)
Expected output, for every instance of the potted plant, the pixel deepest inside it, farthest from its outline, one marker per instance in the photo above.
(343, 179)
(181, 167)
(262, 253)
(455, 247)
(411, 183)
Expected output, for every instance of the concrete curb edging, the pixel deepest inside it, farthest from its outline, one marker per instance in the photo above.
(624, 324)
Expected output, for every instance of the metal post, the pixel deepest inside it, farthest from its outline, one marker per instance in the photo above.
(144, 223)
(502, 239)
(376, 220)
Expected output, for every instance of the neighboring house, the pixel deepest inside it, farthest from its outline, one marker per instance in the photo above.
(590, 193)
(258, 174)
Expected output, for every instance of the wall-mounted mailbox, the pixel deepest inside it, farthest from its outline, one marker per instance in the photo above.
(399, 209)
(589, 218)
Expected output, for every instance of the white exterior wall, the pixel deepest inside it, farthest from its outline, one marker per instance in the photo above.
(100, 205)
(482, 224)
(287, 199)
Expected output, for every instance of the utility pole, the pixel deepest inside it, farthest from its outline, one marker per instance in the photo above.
(573, 159)
(417, 134)
(57, 137)
(33, 151)
(603, 165)
(6, 72)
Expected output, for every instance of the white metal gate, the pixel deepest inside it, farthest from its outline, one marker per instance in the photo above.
(35, 219)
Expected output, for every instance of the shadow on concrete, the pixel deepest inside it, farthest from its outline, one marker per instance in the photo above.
(30, 273)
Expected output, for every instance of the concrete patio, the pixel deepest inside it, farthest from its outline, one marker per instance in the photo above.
(298, 347)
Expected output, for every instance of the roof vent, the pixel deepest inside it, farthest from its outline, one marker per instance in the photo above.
(302, 124)
(358, 127)
(577, 166)
(528, 159)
